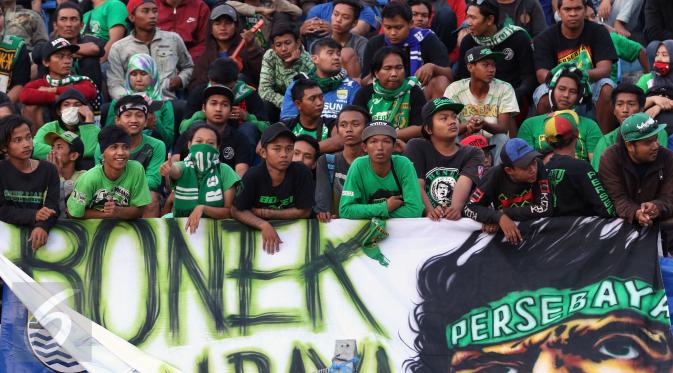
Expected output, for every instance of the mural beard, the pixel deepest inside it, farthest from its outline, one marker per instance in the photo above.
(608, 330)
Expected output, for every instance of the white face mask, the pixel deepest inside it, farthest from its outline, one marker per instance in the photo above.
(70, 116)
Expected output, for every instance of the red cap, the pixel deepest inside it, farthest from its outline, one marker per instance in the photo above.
(133, 4)
(478, 141)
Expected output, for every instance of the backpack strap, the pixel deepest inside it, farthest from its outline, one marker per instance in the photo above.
(331, 166)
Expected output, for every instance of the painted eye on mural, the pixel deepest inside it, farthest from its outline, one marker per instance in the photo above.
(499, 369)
(620, 348)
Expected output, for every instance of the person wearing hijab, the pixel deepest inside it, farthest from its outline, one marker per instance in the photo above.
(142, 78)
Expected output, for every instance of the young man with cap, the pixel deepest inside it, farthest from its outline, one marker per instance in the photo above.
(380, 184)
(57, 57)
(15, 73)
(187, 18)
(116, 188)
(588, 44)
(446, 171)
(29, 189)
(569, 87)
(337, 88)
(480, 142)
(276, 189)
(131, 114)
(106, 21)
(490, 104)
(167, 48)
(576, 188)
(72, 114)
(235, 149)
(516, 67)
(515, 190)
(67, 149)
(638, 175)
(426, 56)
(627, 99)
(332, 169)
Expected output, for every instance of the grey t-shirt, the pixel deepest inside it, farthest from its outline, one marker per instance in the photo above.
(358, 43)
(328, 194)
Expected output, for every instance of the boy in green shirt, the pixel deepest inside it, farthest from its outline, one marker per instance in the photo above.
(114, 189)
(131, 115)
(67, 149)
(74, 115)
(627, 99)
(569, 87)
(380, 184)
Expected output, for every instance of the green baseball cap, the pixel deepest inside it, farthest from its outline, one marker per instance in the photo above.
(71, 138)
(640, 126)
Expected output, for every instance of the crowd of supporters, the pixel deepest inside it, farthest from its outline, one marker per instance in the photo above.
(258, 110)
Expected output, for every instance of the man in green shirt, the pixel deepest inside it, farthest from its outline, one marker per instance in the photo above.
(74, 115)
(380, 184)
(67, 149)
(107, 21)
(114, 189)
(131, 115)
(627, 99)
(569, 87)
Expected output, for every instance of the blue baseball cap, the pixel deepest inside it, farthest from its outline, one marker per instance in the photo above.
(517, 153)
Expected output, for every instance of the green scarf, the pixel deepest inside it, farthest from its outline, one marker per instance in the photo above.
(392, 105)
(330, 83)
(200, 182)
(498, 37)
(241, 91)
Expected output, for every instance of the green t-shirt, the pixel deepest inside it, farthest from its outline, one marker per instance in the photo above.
(532, 131)
(151, 154)
(645, 82)
(99, 20)
(611, 139)
(88, 133)
(627, 50)
(359, 199)
(228, 178)
(165, 121)
(93, 188)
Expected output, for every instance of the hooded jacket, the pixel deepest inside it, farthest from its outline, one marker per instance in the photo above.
(628, 190)
(251, 56)
(189, 20)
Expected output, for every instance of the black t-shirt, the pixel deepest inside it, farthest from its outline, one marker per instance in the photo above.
(234, 147)
(516, 68)
(21, 71)
(432, 51)
(576, 188)
(416, 100)
(592, 46)
(441, 172)
(256, 190)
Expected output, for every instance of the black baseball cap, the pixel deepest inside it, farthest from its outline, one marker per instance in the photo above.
(217, 89)
(275, 131)
(111, 135)
(49, 48)
(478, 53)
(439, 104)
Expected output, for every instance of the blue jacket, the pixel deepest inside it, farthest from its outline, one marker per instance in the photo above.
(334, 100)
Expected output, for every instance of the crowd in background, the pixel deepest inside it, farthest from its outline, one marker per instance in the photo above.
(259, 110)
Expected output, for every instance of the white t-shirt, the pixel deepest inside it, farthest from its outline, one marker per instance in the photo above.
(500, 99)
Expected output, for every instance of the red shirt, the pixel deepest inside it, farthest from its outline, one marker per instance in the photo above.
(189, 20)
(31, 95)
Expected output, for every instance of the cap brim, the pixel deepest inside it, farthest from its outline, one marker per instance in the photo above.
(455, 107)
(524, 161)
(497, 56)
(72, 48)
(50, 137)
(218, 90)
(286, 133)
(660, 127)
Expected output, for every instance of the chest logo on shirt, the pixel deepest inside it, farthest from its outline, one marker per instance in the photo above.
(191, 19)
(439, 185)
(509, 54)
(228, 153)
(342, 94)
(119, 195)
(581, 56)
